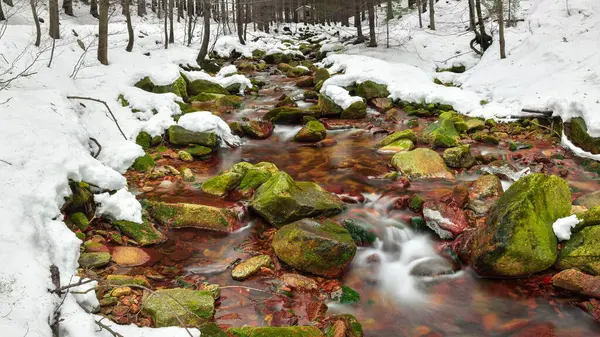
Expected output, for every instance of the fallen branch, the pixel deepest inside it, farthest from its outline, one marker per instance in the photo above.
(545, 113)
(59, 289)
(109, 330)
(99, 147)
(5, 162)
(107, 107)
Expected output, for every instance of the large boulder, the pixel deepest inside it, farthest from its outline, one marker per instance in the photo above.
(517, 238)
(282, 200)
(178, 215)
(169, 307)
(442, 133)
(421, 163)
(205, 87)
(319, 247)
(180, 136)
(313, 131)
(291, 331)
(483, 193)
(369, 90)
(582, 251)
(321, 74)
(577, 131)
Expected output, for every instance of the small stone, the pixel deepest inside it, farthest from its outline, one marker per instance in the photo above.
(484, 193)
(381, 104)
(94, 260)
(121, 291)
(421, 163)
(187, 175)
(80, 220)
(185, 156)
(578, 282)
(172, 170)
(299, 282)
(108, 301)
(251, 267)
(459, 157)
(126, 279)
(199, 151)
(129, 256)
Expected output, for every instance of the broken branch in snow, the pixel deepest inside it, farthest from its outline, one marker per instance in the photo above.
(109, 330)
(60, 289)
(99, 147)
(545, 113)
(107, 107)
(5, 162)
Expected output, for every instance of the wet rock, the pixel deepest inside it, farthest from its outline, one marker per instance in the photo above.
(108, 301)
(588, 200)
(369, 90)
(178, 87)
(285, 100)
(121, 291)
(421, 163)
(167, 307)
(258, 129)
(460, 194)
(587, 218)
(210, 67)
(80, 220)
(516, 146)
(321, 74)
(199, 151)
(447, 220)
(144, 163)
(319, 247)
(282, 200)
(299, 282)
(484, 193)
(255, 176)
(582, 251)
(236, 129)
(517, 238)
(313, 131)
(187, 175)
(362, 232)
(475, 124)
(578, 282)
(503, 170)
(432, 267)
(251, 267)
(95, 247)
(381, 104)
(309, 94)
(94, 260)
(394, 115)
(143, 139)
(205, 87)
(277, 58)
(222, 184)
(287, 115)
(205, 97)
(295, 72)
(328, 106)
(125, 279)
(194, 215)
(185, 156)
(459, 157)
(441, 134)
(405, 134)
(180, 136)
(145, 233)
(304, 82)
(576, 130)
(345, 295)
(356, 110)
(401, 145)
(229, 102)
(246, 67)
(292, 331)
(344, 326)
(129, 256)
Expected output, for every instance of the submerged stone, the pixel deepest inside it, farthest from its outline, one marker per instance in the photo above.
(180, 136)
(145, 233)
(167, 307)
(282, 200)
(194, 215)
(291, 331)
(483, 193)
(252, 266)
(320, 247)
(517, 238)
(421, 163)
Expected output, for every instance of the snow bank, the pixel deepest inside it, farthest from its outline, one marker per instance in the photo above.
(223, 78)
(205, 121)
(119, 206)
(562, 227)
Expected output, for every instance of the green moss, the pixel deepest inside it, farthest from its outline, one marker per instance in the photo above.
(94, 260)
(292, 331)
(289, 115)
(145, 234)
(405, 134)
(211, 330)
(180, 136)
(369, 90)
(199, 151)
(143, 139)
(349, 295)
(145, 84)
(459, 157)
(454, 69)
(577, 131)
(80, 220)
(582, 251)
(193, 215)
(167, 307)
(356, 110)
(441, 134)
(144, 163)
(222, 184)
(126, 279)
(359, 233)
(415, 203)
(516, 146)
(313, 131)
(229, 101)
(207, 87)
(421, 163)
(178, 88)
(258, 54)
(123, 101)
(321, 74)
(328, 106)
(205, 97)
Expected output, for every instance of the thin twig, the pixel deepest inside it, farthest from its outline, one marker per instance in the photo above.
(80, 282)
(5, 162)
(107, 107)
(545, 113)
(109, 330)
(99, 147)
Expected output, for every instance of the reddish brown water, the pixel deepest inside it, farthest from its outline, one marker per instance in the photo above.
(462, 306)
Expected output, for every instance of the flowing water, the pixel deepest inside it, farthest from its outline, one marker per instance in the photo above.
(409, 284)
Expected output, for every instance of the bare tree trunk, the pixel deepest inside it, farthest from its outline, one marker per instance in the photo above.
(153, 5)
(171, 29)
(206, 37)
(103, 33)
(2, 16)
(159, 5)
(500, 5)
(68, 7)
(9, 2)
(357, 22)
(431, 15)
(390, 10)
(129, 27)
(471, 15)
(240, 24)
(94, 8)
(419, 9)
(38, 32)
(54, 24)
(372, 37)
(141, 8)
(190, 11)
(166, 10)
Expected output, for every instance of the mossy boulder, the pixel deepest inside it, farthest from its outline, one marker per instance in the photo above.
(94, 260)
(582, 251)
(356, 110)
(277, 58)
(179, 215)
(289, 115)
(313, 131)
(475, 124)
(255, 176)
(258, 54)
(577, 131)
(210, 67)
(517, 238)
(405, 134)
(178, 87)
(296, 72)
(205, 86)
(321, 74)
(180, 136)
(328, 106)
(199, 151)
(257, 129)
(145, 84)
(222, 184)
(459, 157)
(589, 200)
(401, 145)
(441, 133)
(291, 331)
(309, 94)
(281, 200)
(421, 163)
(80, 220)
(320, 247)
(167, 307)
(369, 90)
(250, 267)
(81, 199)
(228, 102)
(145, 233)
(205, 97)
(144, 163)
(144, 140)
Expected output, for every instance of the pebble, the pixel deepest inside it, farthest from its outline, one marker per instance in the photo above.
(121, 291)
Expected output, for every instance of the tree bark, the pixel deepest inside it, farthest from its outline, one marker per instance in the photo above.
(166, 10)
(153, 5)
(501, 29)
(431, 15)
(471, 15)
(68, 7)
(206, 37)
(9, 2)
(94, 8)
(390, 10)
(373, 39)
(141, 8)
(240, 24)
(180, 7)
(2, 16)
(103, 33)
(171, 14)
(190, 12)
(129, 27)
(38, 31)
(420, 10)
(54, 24)
(357, 21)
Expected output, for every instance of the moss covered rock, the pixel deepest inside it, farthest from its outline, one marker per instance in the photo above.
(258, 129)
(318, 247)
(292, 331)
(94, 260)
(296, 72)
(80, 220)
(321, 74)
(222, 184)
(369, 90)
(199, 151)
(459, 157)
(211, 330)
(185, 156)
(145, 84)
(194, 215)
(126, 279)
(475, 124)
(577, 131)
(356, 110)
(309, 94)
(405, 134)
(204, 86)
(517, 238)
(401, 145)
(144, 140)
(228, 102)
(346, 324)
(144, 163)
(313, 131)
(205, 97)
(281, 200)
(145, 233)
(483, 193)
(178, 87)
(255, 176)
(582, 251)
(421, 163)
(328, 106)
(180, 136)
(442, 133)
(278, 58)
(289, 115)
(250, 267)
(167, 307)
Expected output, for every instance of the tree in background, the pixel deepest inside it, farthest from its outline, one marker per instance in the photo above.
(38, 32)
(54, 24)
(141, 8)
(129, 47)
(103, 33)
(372, 37)
(206, 37)
(94, 8)
(68, 7)
(431, 15)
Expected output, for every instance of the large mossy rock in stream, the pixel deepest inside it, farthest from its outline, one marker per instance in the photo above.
(321, 74)
(178, 87)
(356, 110)
(441, 133)
(144, 234)
(483, 193)
(459, 157)
(517, 238)
(582, 251)
(182, 215)
(576, 130)
(167, 307)
(281, 200)
(290, 331)
(421, 163)
(369, 90)
(242, 176)
(180, 136)
(205, 87)
(313, 131)
(289, 115)
(328, 107)
(396, 136)
(222, 184)
(319, 247)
